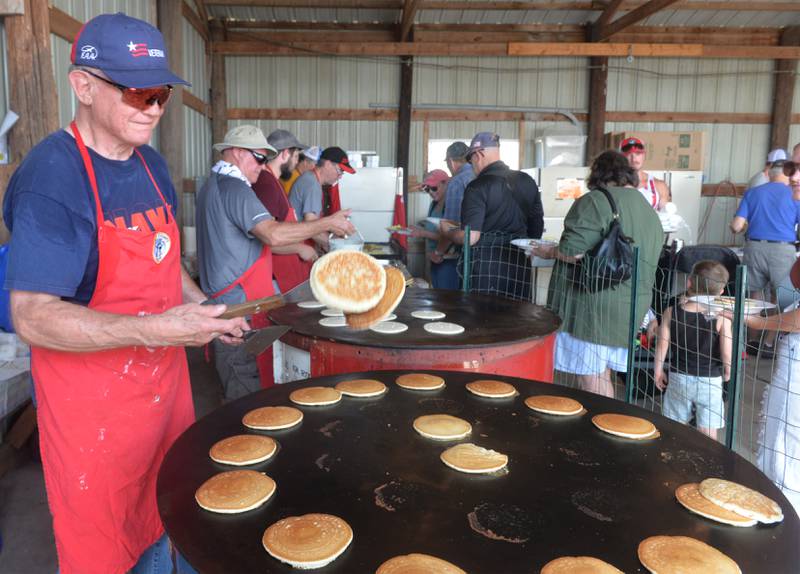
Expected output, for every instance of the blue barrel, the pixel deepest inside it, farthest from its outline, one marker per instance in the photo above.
(5, 307)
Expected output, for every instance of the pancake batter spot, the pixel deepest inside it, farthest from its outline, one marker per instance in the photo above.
(595, 504)
(572, 454)
(320, 462)
(328, 428)
(504, 522)
(440, 406)
(395, 494)
(692, 464)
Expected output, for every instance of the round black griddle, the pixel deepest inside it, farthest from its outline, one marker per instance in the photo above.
(487, 321)
(570, 489)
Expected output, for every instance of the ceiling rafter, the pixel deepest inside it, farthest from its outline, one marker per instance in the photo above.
(407, 20)
(645, 11)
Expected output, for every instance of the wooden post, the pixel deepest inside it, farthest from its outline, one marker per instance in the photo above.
(404, 122)
(426, 136)
(783, 97)
(521, 138)
(32, 87)
(219, 104)
(598, 85)
(171, 134)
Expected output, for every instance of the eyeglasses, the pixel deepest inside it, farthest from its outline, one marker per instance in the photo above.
(790, 168)
(260, 158)
(430, 188)
(473, 156)
(139, 98)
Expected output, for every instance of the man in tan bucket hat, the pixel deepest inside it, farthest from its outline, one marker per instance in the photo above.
(235, 238)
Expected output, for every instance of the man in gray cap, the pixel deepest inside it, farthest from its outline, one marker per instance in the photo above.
(499, 205)
(235, 234)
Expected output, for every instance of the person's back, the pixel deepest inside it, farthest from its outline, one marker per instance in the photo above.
(489, 205)
(771, 212)
(526, 193)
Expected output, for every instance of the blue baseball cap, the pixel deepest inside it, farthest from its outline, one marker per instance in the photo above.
(129, 51)
(483, 140)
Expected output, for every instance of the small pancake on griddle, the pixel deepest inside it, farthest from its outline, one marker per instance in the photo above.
(442, 427)
(361, 388)
(554, 405)
(579, 565)
(395, 289)
(491, 389)
(741, 500)
(235, 491)
(625, 426)
(243, 449)
(348, 280)
(471, 458)
(418, 564)
(420, 382)
(272, 418)
(315, 396)
(683, 555)
(689, 496)
(308, 541)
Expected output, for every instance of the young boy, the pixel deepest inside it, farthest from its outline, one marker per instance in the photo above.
(700, 351)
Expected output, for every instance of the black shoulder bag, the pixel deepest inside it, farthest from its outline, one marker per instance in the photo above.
(610, 262)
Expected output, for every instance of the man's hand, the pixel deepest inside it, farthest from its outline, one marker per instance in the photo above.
(193, 325)
(661, 379)
(307, 252)
(339, 224)
(544, 251)
(436, 257)
(417, 231)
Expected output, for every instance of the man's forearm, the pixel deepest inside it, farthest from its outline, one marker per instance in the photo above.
(277, 234)
(191, 292)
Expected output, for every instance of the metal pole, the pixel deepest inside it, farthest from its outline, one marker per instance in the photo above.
(467, 271)
(734, 389)
(633, 327)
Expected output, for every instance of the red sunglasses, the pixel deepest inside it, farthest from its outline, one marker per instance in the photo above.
(140, 98)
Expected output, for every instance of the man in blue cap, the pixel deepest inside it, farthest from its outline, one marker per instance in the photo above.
(499, 205)
(98, 291)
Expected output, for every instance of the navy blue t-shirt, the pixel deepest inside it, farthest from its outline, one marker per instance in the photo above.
(50, 210)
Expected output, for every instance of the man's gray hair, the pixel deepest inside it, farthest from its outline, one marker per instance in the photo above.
(775, 170)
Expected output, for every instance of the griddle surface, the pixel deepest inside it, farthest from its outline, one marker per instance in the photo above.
(487, 320)
(570, 489)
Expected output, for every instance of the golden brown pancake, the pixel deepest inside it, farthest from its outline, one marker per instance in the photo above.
(361, 388)
(741, 500)
(467, 457)
(315, 396)
(418, 564)
(395, 289)
(491, 389)
(243, 449)
(554, 405)
(348, 280)
(691, 499)
(625, 426)
(272, 418)
(442, 427)
(420, 382)
(308, 541)
(579, 565)
(235, 491)
(683, 555)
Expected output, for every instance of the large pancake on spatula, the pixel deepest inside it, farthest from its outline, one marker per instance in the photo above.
(308, 541)
(690, 498)
(741, 500)
(684, 555)
(395, 289)
(235, 491)
(418, 564)
(579, 565)
(348, 280)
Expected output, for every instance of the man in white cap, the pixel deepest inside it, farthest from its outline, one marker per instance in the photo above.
(98, 291)
(762, 176)
(235, 233)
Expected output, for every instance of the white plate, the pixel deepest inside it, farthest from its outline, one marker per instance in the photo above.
(528, 244)
(434, 220)
(403, 231)
(717, 304)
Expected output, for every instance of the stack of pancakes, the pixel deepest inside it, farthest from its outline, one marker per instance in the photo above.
(728, 502)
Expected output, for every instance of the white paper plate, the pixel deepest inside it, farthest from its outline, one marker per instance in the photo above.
(527, 245)
(403, 231)
(717, 304)
(434, 220)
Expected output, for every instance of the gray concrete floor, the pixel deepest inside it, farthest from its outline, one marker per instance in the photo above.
(25, 523)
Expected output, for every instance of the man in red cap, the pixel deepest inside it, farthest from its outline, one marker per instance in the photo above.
(654, 190)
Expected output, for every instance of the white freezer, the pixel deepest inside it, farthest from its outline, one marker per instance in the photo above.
(370, 193)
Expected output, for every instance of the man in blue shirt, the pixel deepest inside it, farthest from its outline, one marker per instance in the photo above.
(770, 216)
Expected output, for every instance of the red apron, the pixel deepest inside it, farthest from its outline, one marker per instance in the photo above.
(106, 418)
(256, 282)
(289, 269)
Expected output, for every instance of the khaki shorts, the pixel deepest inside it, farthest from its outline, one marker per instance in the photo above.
(767, 263)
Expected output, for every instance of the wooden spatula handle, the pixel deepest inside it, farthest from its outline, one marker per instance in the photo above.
(254, 306)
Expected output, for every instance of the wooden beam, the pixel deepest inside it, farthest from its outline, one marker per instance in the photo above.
(308, 25)
(361, 49)
(288, 37)
(201, 8)
(598, 89)
(359, 4)
(407, 20)
(654, 50)
(783, 95)
(631, 18)
(195, 21)
(189, 185)
(604, 19)
(317, 114)
(195, 103)
(170, 133)
(219, 98)
(63, 25)
(403, 148)
(723, 189)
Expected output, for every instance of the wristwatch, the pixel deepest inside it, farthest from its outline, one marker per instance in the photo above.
(437, 252)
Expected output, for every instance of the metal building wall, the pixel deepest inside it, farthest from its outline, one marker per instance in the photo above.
(197, 127)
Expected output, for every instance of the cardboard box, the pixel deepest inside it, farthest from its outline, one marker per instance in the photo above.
(673, 151)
